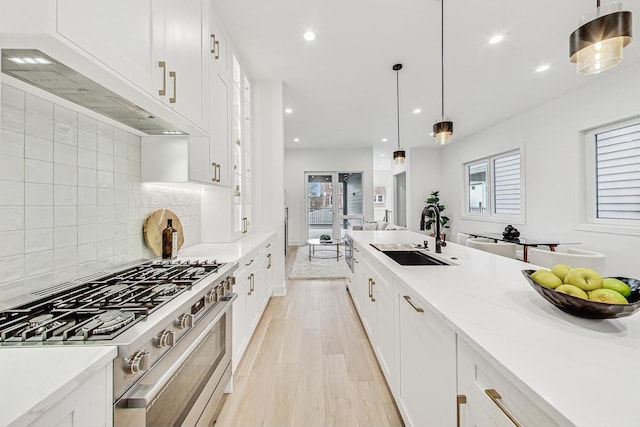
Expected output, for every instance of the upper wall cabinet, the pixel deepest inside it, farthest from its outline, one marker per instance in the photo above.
(122, 41)
(152, 53)
(179, 39)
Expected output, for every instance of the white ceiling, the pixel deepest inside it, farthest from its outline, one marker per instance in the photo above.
(342, 88)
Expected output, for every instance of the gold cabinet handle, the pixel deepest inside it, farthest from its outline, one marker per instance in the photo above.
(163, 91)
(218, 172)
(213, 44)
(216, 47)
(214, 166)
(460, 400)
(172, 74)
(373, 297)
(356, 249)
(370, 280)
(251, 288)
(497, 399)
(269, 256)
(415, 307)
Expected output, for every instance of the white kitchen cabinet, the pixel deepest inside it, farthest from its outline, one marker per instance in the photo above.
(89, 405)
(219, 51)
(159, 45)
(427, 365)
(180, 40)
(121, 41)
(385, 300)
(490, 399)
(266, 275)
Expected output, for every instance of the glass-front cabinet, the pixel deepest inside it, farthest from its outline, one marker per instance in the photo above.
(241, 122)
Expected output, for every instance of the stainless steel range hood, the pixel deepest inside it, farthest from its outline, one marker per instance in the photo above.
(34, 67)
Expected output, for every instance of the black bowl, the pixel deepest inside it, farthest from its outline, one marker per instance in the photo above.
(586, 308)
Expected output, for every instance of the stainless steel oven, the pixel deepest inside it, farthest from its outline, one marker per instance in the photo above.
(184, 387)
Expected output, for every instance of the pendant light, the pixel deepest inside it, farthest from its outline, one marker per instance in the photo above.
(398, 155)
(597, 44)
(443, 129)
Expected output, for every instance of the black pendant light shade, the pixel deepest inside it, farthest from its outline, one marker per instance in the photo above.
(443, 129)
(398, 155)
(597, 45)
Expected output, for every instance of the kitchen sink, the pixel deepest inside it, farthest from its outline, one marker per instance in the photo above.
(413, 258)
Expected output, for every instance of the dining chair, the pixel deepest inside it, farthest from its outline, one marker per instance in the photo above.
(500, 248)
(574, 258)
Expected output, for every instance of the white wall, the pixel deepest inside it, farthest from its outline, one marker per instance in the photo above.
(550, 135)
(424, 176)
(268, 164)
(71, 200)
(299, 161)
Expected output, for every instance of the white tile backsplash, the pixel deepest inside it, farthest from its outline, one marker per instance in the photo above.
(38, 171)
(71, 201)
(12, 143)
(37, 125)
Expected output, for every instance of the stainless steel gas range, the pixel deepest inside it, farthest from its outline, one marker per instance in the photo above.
(171, 322)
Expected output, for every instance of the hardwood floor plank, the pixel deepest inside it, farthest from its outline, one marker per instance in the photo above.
(309, 363)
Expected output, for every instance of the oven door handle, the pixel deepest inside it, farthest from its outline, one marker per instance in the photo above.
(141, 395)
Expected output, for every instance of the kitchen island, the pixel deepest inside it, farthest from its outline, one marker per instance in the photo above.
(562, 369)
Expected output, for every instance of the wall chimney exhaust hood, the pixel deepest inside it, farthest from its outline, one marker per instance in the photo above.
(35, 68)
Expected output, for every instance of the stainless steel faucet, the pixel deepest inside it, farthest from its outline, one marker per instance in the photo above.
(439, 242)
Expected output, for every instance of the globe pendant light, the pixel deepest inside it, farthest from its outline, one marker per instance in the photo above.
(443, 129)
(398, 155)
(597, 44)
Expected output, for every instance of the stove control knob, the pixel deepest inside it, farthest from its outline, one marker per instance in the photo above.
(165, 338)
(221, 291)
(185, 321)
(137, 362)
(212, 296)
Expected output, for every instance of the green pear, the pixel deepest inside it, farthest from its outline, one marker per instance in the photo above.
(608, 296)
(546, 278)
(584, 278)
(560, 270)
(574, 291)
(616, 285)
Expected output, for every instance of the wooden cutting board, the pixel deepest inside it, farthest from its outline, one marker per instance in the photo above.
(154, 223)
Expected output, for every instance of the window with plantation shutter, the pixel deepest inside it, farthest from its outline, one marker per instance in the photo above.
(506, 184)
(618, 173)
(494, 187)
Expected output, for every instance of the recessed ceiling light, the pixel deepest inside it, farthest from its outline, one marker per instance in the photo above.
(496, 39)
(543, 67)
(417, 111)
(384, 139)
(296, 139)
(309, 36)
(288, 110)
(28, 60)
(172, 132)
(381, 155)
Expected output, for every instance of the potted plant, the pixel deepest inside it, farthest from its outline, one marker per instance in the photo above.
(434, 199)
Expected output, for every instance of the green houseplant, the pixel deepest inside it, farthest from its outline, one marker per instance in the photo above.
(434, 199)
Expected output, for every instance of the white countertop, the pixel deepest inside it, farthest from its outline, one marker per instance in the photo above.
(583, 369)
(225, 252)
(36, 379)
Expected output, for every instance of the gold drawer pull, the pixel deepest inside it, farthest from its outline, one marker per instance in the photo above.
(415, 307)
(495, 396)
(163, 91)
(460, 400)
(172, 74)
(373, 297)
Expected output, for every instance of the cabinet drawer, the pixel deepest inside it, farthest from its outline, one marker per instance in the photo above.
(491, 393)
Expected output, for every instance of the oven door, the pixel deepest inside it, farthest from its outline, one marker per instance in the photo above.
(184, 388)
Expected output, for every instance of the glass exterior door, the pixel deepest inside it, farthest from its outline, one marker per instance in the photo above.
(334, 203)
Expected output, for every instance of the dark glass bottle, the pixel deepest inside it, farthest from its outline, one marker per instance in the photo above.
(169, 241)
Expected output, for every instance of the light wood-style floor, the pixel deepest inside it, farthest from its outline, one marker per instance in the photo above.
(309, 363)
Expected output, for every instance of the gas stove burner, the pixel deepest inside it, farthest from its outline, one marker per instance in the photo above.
(113, 289)
(165, 289)
(39, 320)
(113, 320)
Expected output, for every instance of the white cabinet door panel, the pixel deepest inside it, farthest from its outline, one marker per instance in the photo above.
(116, 32)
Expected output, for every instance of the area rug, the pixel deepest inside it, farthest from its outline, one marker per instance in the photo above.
(317, 268)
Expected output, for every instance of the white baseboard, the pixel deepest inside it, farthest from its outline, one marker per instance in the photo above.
(279, 291)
